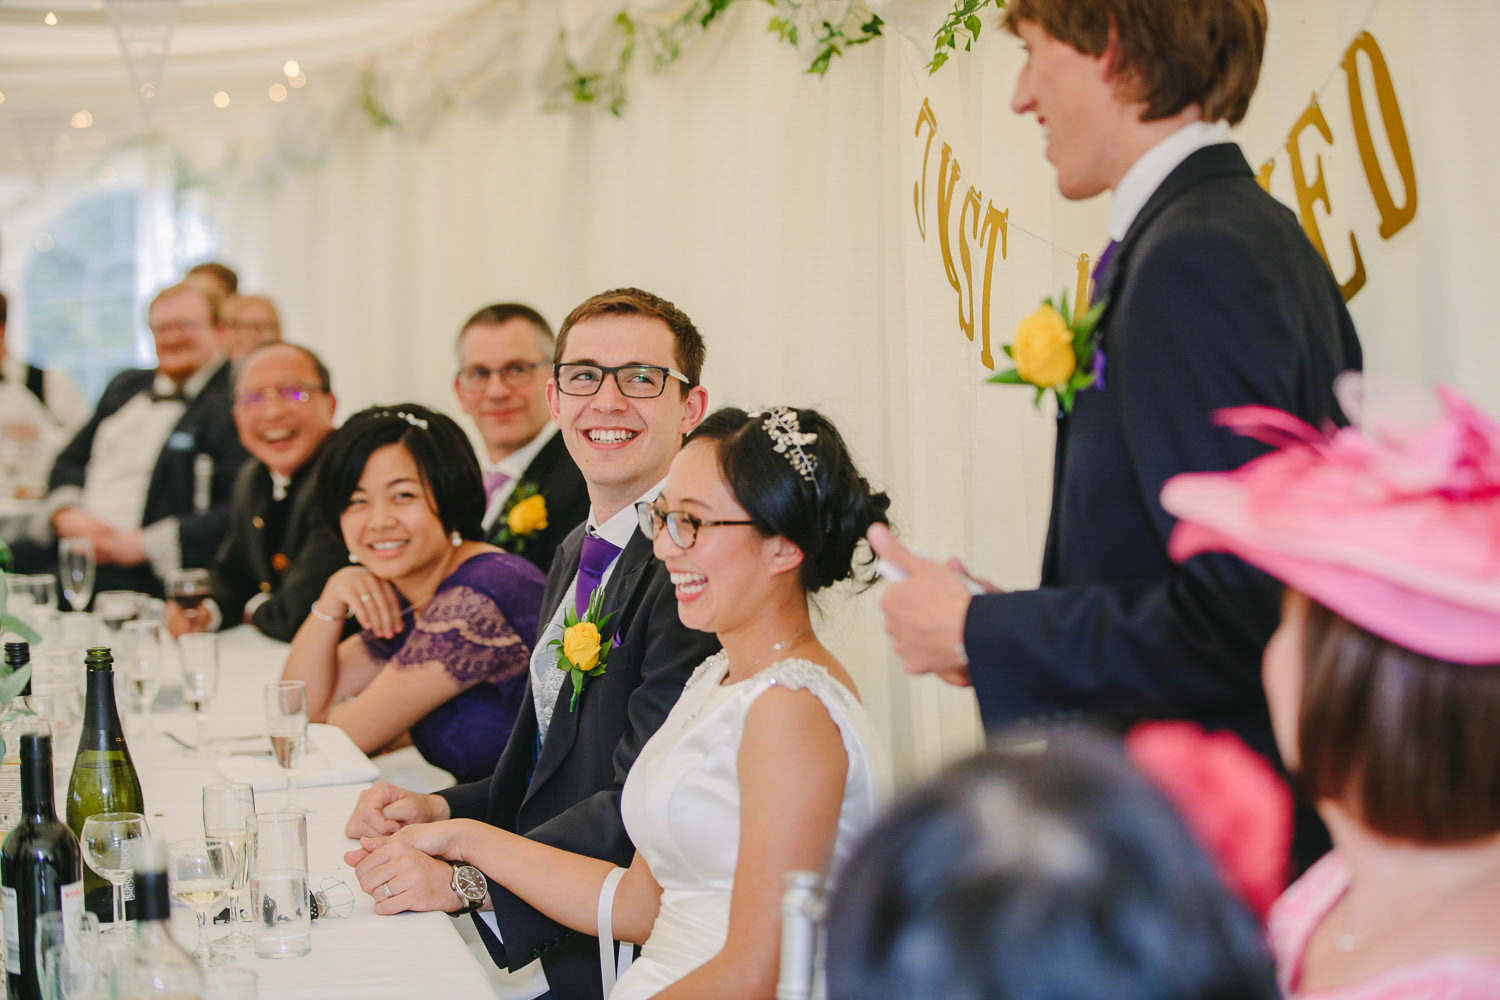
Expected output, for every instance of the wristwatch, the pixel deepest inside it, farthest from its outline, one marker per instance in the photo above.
(469, 885)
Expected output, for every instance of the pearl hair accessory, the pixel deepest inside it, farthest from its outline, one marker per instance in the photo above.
(410, 418)
(787, 437)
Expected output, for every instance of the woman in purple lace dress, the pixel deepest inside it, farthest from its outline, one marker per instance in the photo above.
(447, 622)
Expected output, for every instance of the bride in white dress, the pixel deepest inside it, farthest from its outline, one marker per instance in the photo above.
(768, 763)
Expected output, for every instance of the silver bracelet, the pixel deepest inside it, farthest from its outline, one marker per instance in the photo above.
(320, 616)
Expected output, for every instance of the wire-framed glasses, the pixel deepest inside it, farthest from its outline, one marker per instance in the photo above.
(681, 526)
(473, 378)
(286, 393)
(636, 381)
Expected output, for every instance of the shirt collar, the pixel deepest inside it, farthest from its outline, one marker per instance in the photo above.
(618, 529)
(195, 382)
(514, 465)
(1146, 174)
(279, 484)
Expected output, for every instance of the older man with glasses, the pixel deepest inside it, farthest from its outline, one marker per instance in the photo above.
(278, 553)
(534, 492)
(147, 480)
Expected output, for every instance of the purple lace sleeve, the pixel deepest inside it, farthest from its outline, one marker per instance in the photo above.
(464, 629)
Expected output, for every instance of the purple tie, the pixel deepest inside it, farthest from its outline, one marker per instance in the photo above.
(595, 558)
(1103, 261)
(493, 483)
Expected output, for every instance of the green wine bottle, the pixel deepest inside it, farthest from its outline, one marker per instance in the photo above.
(104, 777)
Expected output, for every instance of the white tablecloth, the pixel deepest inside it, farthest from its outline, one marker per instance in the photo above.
(369, 957)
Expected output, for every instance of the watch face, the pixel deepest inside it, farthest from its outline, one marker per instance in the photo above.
(468, 882)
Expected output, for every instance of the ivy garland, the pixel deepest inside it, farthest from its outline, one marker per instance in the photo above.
(962, 20)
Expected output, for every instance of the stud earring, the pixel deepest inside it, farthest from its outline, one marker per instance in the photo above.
(354, 558)
(456, 538)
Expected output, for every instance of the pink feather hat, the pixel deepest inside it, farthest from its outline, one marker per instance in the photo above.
(1395, 527)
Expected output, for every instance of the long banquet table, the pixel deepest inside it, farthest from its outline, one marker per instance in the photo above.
(365, 956)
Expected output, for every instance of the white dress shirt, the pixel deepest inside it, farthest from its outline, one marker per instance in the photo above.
(513, 465)
(1146, 174)
(33, 432)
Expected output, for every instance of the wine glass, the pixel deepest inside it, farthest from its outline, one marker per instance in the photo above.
(199, 652)
(68, 950)
(116, 607)
(140, 647)
(226, 807)
(198, 875)
(75, 564)
(187, 588)
(20, 598)
(109, 845)
(286, 726)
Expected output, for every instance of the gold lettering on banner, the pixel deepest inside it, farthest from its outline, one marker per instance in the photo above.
(1392, 218)
(996, 229)
(1084, 292)
(1263, 175)
(965, 234)
(919, 189)
(1310, 194)
(948, 172)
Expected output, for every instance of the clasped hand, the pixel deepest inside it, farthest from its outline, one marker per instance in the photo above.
(372, 600)
(406, 871)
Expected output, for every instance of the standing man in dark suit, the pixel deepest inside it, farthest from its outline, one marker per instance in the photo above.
(624, 392)
(279, 552)
(148, 478)
(1214, 298)
(534, 493)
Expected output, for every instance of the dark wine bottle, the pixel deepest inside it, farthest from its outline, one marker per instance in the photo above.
(41, 868)
(157, 966)
(104, 777)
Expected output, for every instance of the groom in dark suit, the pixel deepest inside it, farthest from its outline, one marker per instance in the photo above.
(624, 392)
(1213, 298)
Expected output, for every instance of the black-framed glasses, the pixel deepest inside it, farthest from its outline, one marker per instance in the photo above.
(286, 393)
(681, 526)
(473, 378)
(635, 381)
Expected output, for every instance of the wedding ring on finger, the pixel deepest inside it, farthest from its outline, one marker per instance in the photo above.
(387, 887)
(364, 598)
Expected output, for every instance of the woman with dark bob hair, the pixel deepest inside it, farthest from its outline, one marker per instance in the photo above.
(446, 622)
(1384, 687)
(767, 763)
(1054, 875)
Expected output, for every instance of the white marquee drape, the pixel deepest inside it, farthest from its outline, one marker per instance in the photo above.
(778, 210)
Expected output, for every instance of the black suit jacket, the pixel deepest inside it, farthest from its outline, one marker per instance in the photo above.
(572, 801)
(557, 479)
(1214, 298)
(206, 428)
(284, 550)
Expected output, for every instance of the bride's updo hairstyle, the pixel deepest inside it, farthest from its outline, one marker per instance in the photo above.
(791, 471)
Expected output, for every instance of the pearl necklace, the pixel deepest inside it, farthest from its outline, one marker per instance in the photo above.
(783, 644)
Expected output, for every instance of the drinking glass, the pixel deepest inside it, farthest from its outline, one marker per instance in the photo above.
(277, 842)
(110, 841)
(67, 954)
(20, 599)
(57, 693)
(76, 631)
(116, 607)
(198, 875)
(44, 590)
(286, 726)
(199, 653)
(75, 564)
(140, 648)
(187, 588)
(226, 807)
(232, 983)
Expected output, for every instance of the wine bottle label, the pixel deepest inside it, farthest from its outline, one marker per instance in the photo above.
(72, 903)
(12, 909)
(128, 893)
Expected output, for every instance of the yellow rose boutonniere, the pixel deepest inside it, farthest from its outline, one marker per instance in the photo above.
(582, 651)
(524, 514)
(1054, 354)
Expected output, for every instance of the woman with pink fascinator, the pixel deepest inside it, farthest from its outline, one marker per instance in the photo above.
(1384, 686)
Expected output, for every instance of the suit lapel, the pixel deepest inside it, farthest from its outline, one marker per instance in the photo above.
(562, 731)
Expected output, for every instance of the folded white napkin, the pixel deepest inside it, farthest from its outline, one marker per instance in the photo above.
(331, 758)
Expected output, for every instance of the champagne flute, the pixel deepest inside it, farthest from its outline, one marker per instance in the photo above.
(286, 726)
(198, 875)
(109, 846)
(68, 952)
(140, 647)
(75, 563)
(226, 807)
(199, 652)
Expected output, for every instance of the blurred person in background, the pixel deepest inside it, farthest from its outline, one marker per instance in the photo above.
(249, 321)
(40, 411)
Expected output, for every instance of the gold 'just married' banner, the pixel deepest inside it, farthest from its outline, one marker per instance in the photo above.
(972, 234)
